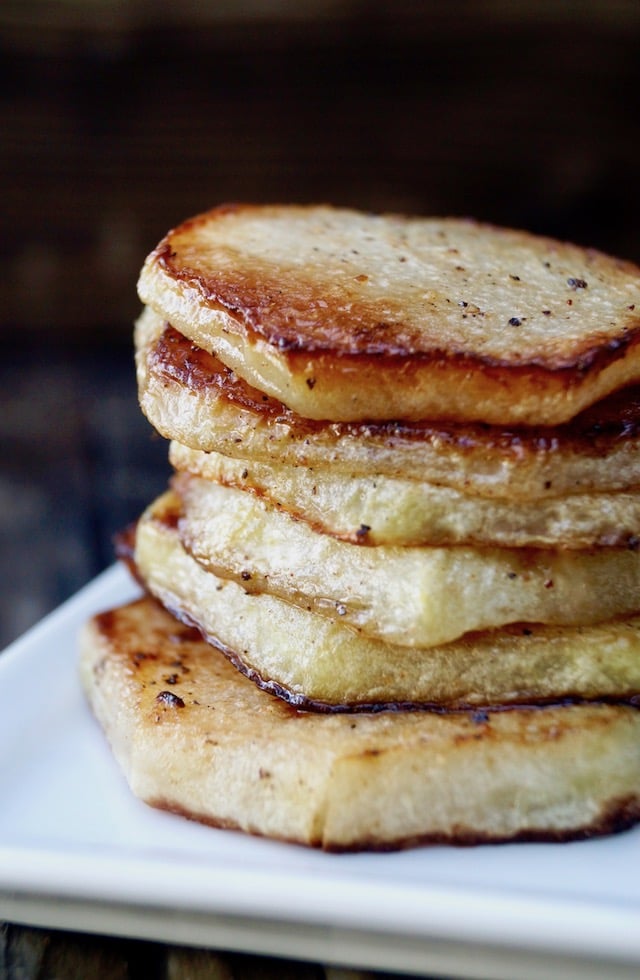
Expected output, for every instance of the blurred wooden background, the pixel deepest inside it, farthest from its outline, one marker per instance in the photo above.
(119, 118)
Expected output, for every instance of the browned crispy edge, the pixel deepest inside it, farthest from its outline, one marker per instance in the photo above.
(616, 817)
(592, 431)
(246, 305)
(125, 544)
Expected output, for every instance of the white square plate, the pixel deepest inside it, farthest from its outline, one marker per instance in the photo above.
(78, 851)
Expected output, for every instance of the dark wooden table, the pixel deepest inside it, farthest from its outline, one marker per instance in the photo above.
(79, 462)
(38, 954)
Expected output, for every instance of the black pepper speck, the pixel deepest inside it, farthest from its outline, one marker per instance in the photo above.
(170, 699)
(480, 717)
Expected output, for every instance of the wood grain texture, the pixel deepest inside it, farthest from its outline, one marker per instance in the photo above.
(39, 954)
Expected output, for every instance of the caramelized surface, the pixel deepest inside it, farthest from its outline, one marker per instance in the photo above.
(196, 737)
(613, 418)
(192, 398)
(349, 317)
(380, 510)
(311, 660)
(414, 597)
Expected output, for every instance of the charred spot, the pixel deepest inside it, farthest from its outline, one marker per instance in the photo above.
(284, 343)
(140, 656)
(106, 621)
(480, 717)
(124, 543)
(574, 283)
(169, 699)
(187, 635)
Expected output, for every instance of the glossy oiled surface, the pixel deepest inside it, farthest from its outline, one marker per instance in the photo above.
(337, 280)
(350, 316)
(413, 596)
(70, 861)
(375, 509)
(312, 661)
(196, 737)
(191, 397)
